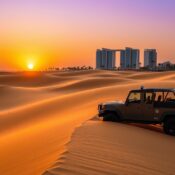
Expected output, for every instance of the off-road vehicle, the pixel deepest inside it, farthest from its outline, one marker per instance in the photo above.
(150, 106)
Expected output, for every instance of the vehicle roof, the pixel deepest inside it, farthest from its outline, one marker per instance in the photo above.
(155, 90)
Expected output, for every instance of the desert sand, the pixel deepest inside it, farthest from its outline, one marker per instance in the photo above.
(102, 148)
(39, 112)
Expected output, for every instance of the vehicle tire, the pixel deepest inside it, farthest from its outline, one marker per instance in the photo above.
(111, 117)
(169, 126)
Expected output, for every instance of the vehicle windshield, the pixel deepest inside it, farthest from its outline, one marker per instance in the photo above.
(134, 97)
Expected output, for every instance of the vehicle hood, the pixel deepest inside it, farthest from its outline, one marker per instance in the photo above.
(113, 103)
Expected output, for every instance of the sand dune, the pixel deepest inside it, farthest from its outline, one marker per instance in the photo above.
(149, 75)
(11, 97)
(78, 73)
(89, 83)
(110, 148)
(39, 112)
(29, 79)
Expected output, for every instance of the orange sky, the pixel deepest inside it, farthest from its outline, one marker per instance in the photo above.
(67, 33)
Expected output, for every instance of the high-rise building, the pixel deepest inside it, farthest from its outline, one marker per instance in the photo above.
(135, 61)
(150, 58)
(122, 59)
(129, 58)
(111, 59)
(105, 59)
(98, 59)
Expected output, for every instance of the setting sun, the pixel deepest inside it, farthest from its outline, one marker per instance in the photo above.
(30, 66)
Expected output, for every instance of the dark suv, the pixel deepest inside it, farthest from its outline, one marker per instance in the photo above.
(151, 106)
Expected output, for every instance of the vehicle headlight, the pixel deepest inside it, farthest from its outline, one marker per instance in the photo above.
(101, 107)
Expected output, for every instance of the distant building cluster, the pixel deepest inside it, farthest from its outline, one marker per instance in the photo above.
(129, 59)
(167, 65)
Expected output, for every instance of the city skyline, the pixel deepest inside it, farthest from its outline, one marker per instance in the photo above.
(128, 58)
(67, 33)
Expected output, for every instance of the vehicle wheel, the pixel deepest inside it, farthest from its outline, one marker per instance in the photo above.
(111, 117)
(169, 126)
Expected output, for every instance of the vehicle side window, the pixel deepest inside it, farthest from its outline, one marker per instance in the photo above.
(149, 97)
(134, 97)
(159, 97)
(170, 97)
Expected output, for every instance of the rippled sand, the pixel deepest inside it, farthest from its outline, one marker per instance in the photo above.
(40, 111)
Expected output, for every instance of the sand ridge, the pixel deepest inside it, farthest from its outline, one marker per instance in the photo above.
(113, 148)
(39, 112)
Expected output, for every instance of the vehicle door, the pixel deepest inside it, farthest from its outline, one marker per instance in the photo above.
(148, 112)
(132, 106)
